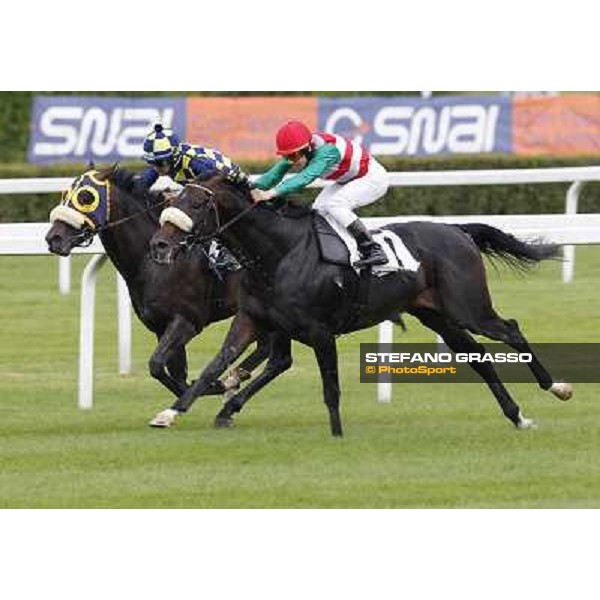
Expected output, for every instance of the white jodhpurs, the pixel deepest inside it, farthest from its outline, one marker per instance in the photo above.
(340, 200)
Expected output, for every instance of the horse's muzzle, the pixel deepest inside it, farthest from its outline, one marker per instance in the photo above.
(59, 245)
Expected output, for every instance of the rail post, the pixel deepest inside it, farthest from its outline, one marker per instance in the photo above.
(124, 324)
(571, 206)
(86, 331)
(386, 336)
(64, 275)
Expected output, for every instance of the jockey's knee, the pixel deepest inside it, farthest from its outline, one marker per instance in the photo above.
(342, 214)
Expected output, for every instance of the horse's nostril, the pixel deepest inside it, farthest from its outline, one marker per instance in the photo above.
(160, 251)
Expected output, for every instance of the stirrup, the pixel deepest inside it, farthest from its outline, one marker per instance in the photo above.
(376, 259)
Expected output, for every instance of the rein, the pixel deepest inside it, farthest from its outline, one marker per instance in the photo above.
(220, 228)
(111, 225)
(226, 226)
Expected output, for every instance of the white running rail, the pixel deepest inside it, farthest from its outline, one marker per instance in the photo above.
(576, 176)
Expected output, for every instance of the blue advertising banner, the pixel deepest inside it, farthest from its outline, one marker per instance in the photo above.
(421, 127)
(77, 128)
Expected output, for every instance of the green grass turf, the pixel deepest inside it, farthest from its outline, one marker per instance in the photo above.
(438, 445)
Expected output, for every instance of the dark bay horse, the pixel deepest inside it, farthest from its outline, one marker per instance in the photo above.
(289, 290)
(175, 303)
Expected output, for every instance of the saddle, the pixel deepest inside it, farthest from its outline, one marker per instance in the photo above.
(338, 247)
(331, 247)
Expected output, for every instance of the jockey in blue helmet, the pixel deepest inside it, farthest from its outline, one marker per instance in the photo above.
(183, 162)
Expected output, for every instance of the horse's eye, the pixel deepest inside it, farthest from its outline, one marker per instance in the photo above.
(85, 198)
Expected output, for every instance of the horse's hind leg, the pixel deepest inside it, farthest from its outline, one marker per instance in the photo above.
(508, 331)
(468, 303)
(280, 360)
(460, 340)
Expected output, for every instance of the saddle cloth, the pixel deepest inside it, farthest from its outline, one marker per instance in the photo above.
(337, 246)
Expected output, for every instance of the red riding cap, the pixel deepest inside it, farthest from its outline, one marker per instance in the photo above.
(293, 136)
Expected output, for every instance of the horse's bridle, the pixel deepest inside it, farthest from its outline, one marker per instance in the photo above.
(85, 238)
(193, 238)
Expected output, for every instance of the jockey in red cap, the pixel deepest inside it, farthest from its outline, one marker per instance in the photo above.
(358, 179)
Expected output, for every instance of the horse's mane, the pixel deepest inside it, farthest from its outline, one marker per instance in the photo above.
(124, 180)
(284, 208)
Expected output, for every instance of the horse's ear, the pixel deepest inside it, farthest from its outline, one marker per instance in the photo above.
(107, 173)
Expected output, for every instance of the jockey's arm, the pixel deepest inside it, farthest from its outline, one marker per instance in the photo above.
(274, 175)
(322, 161)
(145, 180)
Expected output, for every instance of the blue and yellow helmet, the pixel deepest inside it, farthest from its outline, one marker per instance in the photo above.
(161, 144)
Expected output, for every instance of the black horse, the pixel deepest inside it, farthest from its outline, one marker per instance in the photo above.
(288, 289)
(175, 303)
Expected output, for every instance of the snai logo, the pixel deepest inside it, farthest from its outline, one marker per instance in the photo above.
(78, 128)
(415, 127)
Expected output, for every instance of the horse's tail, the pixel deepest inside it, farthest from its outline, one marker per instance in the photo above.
(500, 245)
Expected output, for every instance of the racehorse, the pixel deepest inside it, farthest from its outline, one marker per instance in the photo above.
(174, 303)
(288, 289)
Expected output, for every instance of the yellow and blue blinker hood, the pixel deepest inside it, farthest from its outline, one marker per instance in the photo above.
(87, 201)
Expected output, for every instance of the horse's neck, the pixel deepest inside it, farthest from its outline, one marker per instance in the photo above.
(128, 243)
(266, 236)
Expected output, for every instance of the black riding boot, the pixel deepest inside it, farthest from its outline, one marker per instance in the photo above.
(371, 252)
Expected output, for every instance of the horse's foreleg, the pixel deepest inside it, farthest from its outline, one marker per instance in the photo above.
(177, 365)
(242, 333)
(260, 354)
(232, 382)
(326, 353)
(280, 360)
(168, 352)
(460, 340)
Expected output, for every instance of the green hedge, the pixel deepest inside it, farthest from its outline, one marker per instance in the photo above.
(501, 199)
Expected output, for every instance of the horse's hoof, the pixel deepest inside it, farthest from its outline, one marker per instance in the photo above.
(223, 422)
(525, 423)
(562, 390)
(164, 419)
